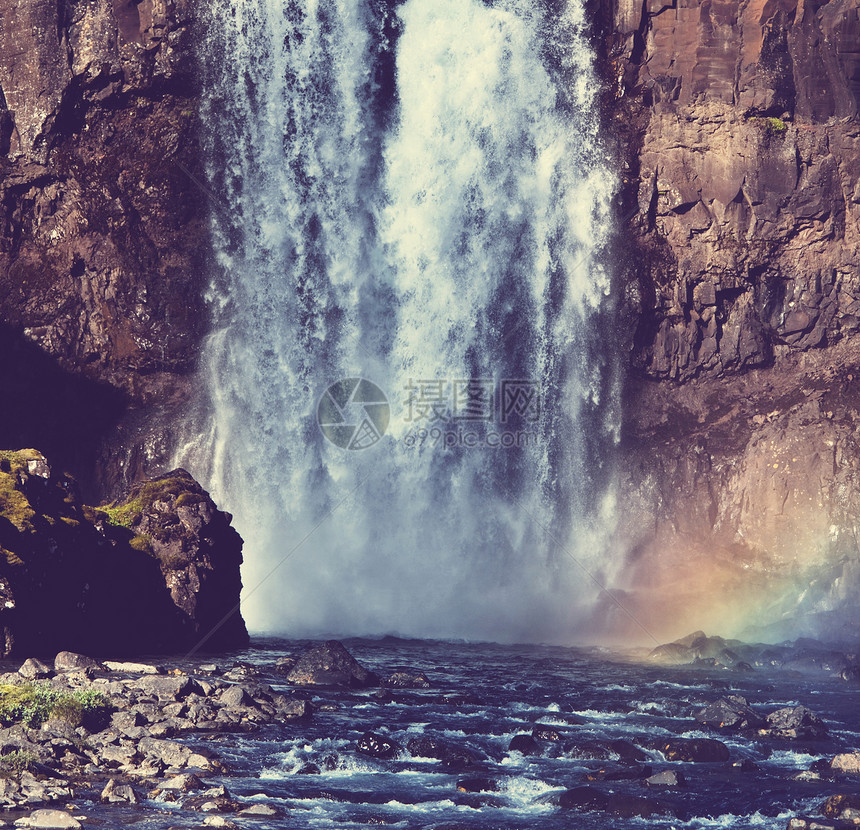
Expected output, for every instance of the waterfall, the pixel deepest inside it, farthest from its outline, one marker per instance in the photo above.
(409, 395)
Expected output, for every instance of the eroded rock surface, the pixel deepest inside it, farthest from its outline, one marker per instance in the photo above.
(741, 183)
(102, 229)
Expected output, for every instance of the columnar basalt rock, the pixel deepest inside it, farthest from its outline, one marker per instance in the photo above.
(740, 143)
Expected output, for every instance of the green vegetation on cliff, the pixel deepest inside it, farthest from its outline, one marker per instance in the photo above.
(14, 505)
(34, 703)
(127, 513)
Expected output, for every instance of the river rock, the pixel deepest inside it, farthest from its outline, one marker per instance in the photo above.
(34, 669)
(590, 799)
(67, 661)
(407, 680)
(524, 744)
(49, 820)
(261, 811)
(133, 668)
(847, 762)
(694, 750)
(796, 722)
(170, 688)
(838, 805)
(116, 793)
(378, 746)
(451, 755)
(730, 713)
(330, 664)
(667, 778)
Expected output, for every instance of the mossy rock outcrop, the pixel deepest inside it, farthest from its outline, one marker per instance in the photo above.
(157, 570)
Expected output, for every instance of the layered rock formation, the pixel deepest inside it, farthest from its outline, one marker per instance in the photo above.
(157, 571)
(741, 147)
(102, 228)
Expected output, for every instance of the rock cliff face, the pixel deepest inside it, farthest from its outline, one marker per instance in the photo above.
(102, 228)
(741, 147)
(157, 571)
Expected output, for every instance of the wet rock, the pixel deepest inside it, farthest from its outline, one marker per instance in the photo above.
(477, 784)
(667, 778)
(796, 722)
(451, 755)
(170, 688)
(213, 800)
(378, 746)
(590, 799)
(235, 696)
(524, 744)
(261, 811)
(694, 750)
(67, 661)
(407, 680)
(330, 664)
(185, 783)
(846, 762)
(308, 769)
(34, 669)
(49, 820)
(284, 665)
(545, 733)
(116, 793)
(837, 806)
(170, 753)
(730, 713)
(133, 668)
(627, 751)
(619, 772)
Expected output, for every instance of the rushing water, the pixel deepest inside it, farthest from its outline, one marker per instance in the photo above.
(413, 193)
(481, 697)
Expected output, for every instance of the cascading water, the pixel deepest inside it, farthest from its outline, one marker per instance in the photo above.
(413, 193)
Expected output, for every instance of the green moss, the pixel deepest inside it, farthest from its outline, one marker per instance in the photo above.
(772, 126)
(141, 542)
(187, 499)
(127, 514)
(34, 703)
(14, 505)
(17, 761)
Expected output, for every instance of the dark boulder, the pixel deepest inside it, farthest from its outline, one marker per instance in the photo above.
(478, 784)
(154, 571)
(34, 669)
(730, 713)
(546, 733)
(451, 755)
(837, 805)
(330, 664)
(627, 751)
(619, 772)
(407, 680)
(796, 722)
(667, 778)
(694, 750)
(67, 661)
(378, 746)
(524, 744)
(589, 799)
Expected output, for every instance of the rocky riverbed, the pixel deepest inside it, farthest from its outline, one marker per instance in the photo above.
(434, 735)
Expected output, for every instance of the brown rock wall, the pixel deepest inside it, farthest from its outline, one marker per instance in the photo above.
(741, 147)
(103, 234)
